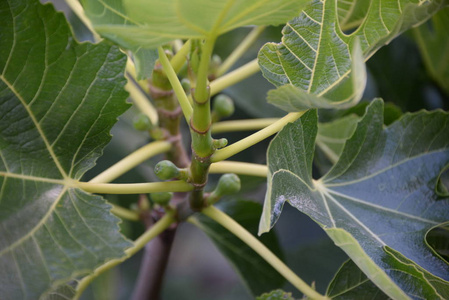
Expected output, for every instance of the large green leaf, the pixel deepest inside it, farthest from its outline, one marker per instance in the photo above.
(150, 23)
(351, 283)
(256, 273)
(332, 135)
(433, 42)
(419, 280)
(58, 101)
(315, 58)
(380, 193)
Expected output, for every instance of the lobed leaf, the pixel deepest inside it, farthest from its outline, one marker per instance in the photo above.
(332, 135)
(151, 23)
(318, 65)
(380, 195)
(58, 102)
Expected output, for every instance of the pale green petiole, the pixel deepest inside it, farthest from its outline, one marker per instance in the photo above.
(240, 50)
(234, 77)
(134, 188)
(255, 138)
(242, 125)
(240, 168)
(176, 84)
(180, 57)
(151, 233)
(131, 161)
(240, 232)
(141, 101)
(124, 213)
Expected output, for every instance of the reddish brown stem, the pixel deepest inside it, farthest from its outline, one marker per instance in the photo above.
(157, 251)
(154, 262)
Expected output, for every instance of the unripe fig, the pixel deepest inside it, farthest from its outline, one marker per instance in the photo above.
(157, 133)
(220, 143)
(166, 170)
(223, 106)
(227, 185)
(142, 122)
(162, 198)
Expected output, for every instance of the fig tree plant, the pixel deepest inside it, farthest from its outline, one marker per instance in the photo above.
(368, 175)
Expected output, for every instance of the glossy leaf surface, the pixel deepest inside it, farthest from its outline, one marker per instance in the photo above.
(380, 194)
(317, 65)
(151, 23)
(58, 101)
(257, 274)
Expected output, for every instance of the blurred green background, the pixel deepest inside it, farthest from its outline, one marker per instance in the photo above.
(197, 270)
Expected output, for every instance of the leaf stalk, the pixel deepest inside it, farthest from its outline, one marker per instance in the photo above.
(176, 84)
(135, 188)
(131, 161)
(240, 232)
(234, 77)
(242, 125)
(255, 138)
(240, 168)
(151, 233)
(241, 49)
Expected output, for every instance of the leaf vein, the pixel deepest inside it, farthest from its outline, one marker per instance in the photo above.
(38, 127)
(351, 216)
(37, 226)
(360, 201)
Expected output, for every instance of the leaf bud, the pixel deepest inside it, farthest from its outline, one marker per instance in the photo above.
(223, 106)
(142, 122)
(220, 143)
(162, 198)
(166, 170)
